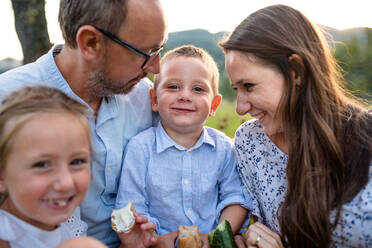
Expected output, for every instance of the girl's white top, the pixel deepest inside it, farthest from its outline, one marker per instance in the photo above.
(20, 234)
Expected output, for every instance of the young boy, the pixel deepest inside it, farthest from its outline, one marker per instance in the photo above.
(180, 172)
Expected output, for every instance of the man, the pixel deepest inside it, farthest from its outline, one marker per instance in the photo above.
(110, 47)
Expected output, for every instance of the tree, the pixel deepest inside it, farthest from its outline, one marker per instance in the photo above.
(31, 27)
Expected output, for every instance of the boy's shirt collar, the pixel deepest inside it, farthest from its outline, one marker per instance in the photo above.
(163, 141)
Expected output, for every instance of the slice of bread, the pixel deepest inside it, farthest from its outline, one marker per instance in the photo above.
(122, 220)
(189, 237)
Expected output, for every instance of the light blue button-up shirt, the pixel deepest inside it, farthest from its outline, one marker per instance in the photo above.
(119, 118)
(172, 185)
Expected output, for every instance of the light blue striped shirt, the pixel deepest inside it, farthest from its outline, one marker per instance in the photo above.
(172, 185)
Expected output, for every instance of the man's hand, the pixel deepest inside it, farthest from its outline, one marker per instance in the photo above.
(167, 240)
(141, 236)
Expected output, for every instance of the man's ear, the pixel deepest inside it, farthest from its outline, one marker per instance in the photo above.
(215, 103)
(298, 69)
(154, 100)
(90, 42)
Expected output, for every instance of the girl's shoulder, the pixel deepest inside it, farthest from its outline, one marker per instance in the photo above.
(22, 234)
(6, 220)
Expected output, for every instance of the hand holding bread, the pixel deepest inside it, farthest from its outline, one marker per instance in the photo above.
(189, 237)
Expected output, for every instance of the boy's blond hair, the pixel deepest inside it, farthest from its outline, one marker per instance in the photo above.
(192, 52)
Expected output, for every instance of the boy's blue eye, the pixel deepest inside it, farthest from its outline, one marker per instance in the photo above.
(41, 165)
(173, 87)
(198, 89)
(78, 161)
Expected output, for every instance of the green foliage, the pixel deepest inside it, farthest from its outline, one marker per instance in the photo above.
(226, 119)
(355, 58)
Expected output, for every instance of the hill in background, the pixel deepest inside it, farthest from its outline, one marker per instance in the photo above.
(200, 38)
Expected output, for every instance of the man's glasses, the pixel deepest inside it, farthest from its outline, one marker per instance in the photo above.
(149, 57)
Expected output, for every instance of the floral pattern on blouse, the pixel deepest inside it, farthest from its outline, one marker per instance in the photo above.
(262, 168)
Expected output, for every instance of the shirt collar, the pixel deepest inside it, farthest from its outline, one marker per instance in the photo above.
(163, 141)
(109, 106)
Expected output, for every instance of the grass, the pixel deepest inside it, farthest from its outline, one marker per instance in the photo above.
(226, 119)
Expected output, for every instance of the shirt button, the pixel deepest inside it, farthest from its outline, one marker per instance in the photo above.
(186, 182)
(187, 153)
(189, 212)
(109, 169)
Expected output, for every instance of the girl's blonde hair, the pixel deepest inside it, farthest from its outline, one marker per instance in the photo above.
(27, 103)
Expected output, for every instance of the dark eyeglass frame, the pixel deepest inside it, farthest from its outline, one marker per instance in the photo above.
(147, 56)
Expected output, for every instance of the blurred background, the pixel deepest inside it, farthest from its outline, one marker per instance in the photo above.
(30, 28)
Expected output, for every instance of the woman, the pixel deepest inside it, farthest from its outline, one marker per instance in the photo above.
(306, 159)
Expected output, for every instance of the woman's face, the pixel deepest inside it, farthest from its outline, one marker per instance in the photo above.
(259, 89)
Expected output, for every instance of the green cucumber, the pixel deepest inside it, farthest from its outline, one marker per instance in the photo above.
(222, 236)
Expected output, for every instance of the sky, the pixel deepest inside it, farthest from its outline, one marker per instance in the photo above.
(225, 15)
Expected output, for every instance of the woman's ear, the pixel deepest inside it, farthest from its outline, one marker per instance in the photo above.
(154, 100)
(89, 41)
(215, 103)
(298, 68)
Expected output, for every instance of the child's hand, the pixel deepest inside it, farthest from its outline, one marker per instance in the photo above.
(167, 240)
(204, 239)
(142, 235)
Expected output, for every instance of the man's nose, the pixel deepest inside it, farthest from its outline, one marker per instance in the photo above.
(154, 66)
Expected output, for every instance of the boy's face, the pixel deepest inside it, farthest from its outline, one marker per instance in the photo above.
(47, 173)
(184, 97)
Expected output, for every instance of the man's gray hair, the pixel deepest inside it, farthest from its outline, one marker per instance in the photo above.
(106, 14)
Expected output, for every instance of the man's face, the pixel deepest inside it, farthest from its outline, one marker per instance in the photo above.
(120, 69)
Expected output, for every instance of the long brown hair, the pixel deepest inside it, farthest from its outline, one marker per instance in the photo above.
(328, 134)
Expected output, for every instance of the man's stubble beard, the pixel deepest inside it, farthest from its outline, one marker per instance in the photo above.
(100, 85)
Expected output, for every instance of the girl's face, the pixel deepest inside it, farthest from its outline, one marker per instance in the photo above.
(259, 89)
(47, 172)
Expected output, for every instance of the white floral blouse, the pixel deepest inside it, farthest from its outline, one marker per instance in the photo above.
(262, 168)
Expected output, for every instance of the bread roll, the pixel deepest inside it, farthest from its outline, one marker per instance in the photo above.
(189, 237)
(122, 220)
